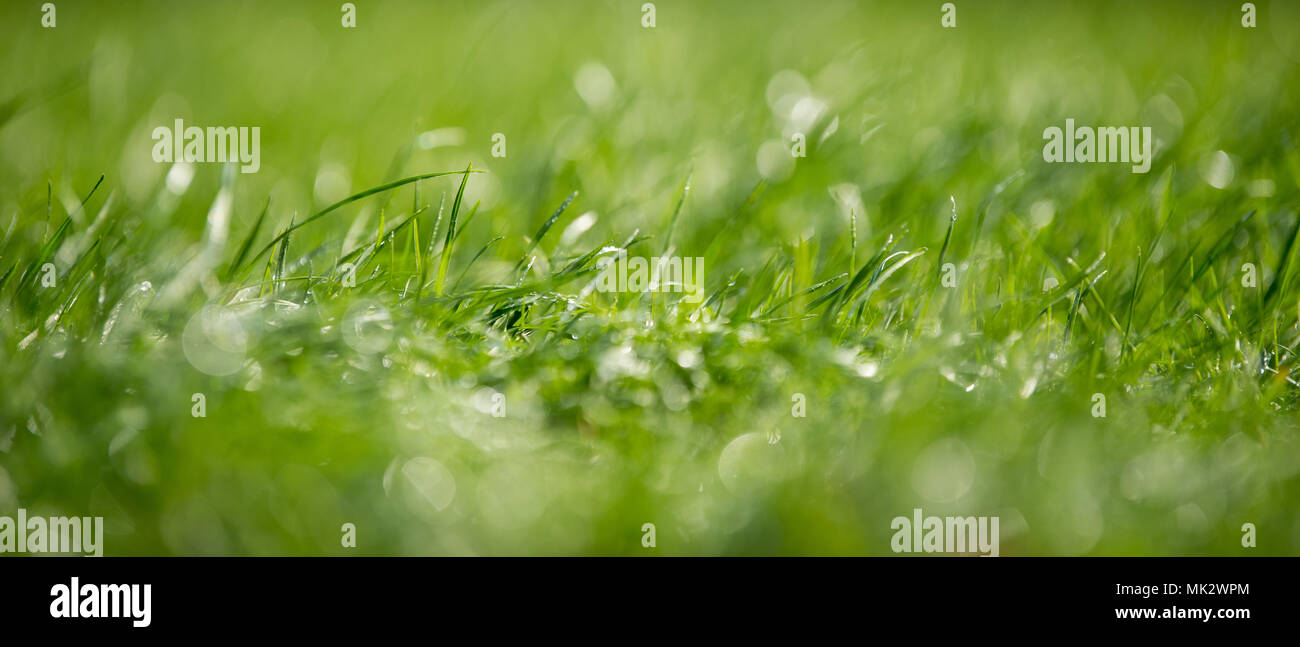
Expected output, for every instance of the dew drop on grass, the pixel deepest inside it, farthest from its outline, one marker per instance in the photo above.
(1078, 524)
(1264, 188)
(675, 396)
(1027, 389)
(214, 341)
(750, 462)
(131, 305)
(431, 480)
(621, 361)
(121, 440)
(784, 90)
(333, 183)
(1041, 213)
(1217, 170)
(944, 472)
(594, 84)
(848, 198)
(387, 479)
(485, 400)
(440, 137)
(254, 373)
(578, 227)
(688, 358)
(1165, 118)
(805, 113)
(367, 327)
(179, 177)
(774, 161)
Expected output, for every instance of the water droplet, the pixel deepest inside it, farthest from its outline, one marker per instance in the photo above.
(367, 327)
(431, 480)
(1216, 169)
(750, 462)
(594, 84)
(945, 471)
(214, 342)
(784, 90)
(775, 161)
(179, 177)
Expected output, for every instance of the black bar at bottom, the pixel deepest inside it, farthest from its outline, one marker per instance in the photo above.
(208, 596)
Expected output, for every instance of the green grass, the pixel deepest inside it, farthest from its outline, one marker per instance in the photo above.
(350, 311)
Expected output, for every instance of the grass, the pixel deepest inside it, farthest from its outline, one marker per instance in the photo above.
(352, 360)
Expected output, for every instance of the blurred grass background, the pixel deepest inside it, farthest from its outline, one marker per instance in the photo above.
(969, 401)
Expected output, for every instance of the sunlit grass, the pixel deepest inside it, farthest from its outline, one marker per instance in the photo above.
(416, 345)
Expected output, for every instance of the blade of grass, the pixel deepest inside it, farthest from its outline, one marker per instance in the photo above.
(550, 222)
(481, 250)
(349, 200)
(681, 199)
(451, 234)
(248, 243)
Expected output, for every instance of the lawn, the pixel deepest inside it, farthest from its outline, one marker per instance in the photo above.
(404, 320)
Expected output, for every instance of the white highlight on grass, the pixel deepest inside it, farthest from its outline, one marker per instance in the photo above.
(945, 471)
(688, 358)
(784, 90)
(254, 382)
(367, 327)
(848, 198)
(333, 183)
(131, 304)
(179, 177)
(805, 113)
(198, 271)
(594, 84)
(621, 361)
(1041, 213)
(1077, 523)
(578, 227)
(867, 369)
(1027, 389)
(431, 480)
(750, 462)
(1217, 170)
(441, 137)
(830, 129)
(774, 161)
(214, 341)
(1261, 188)
(1164, 116)
(484, 400)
